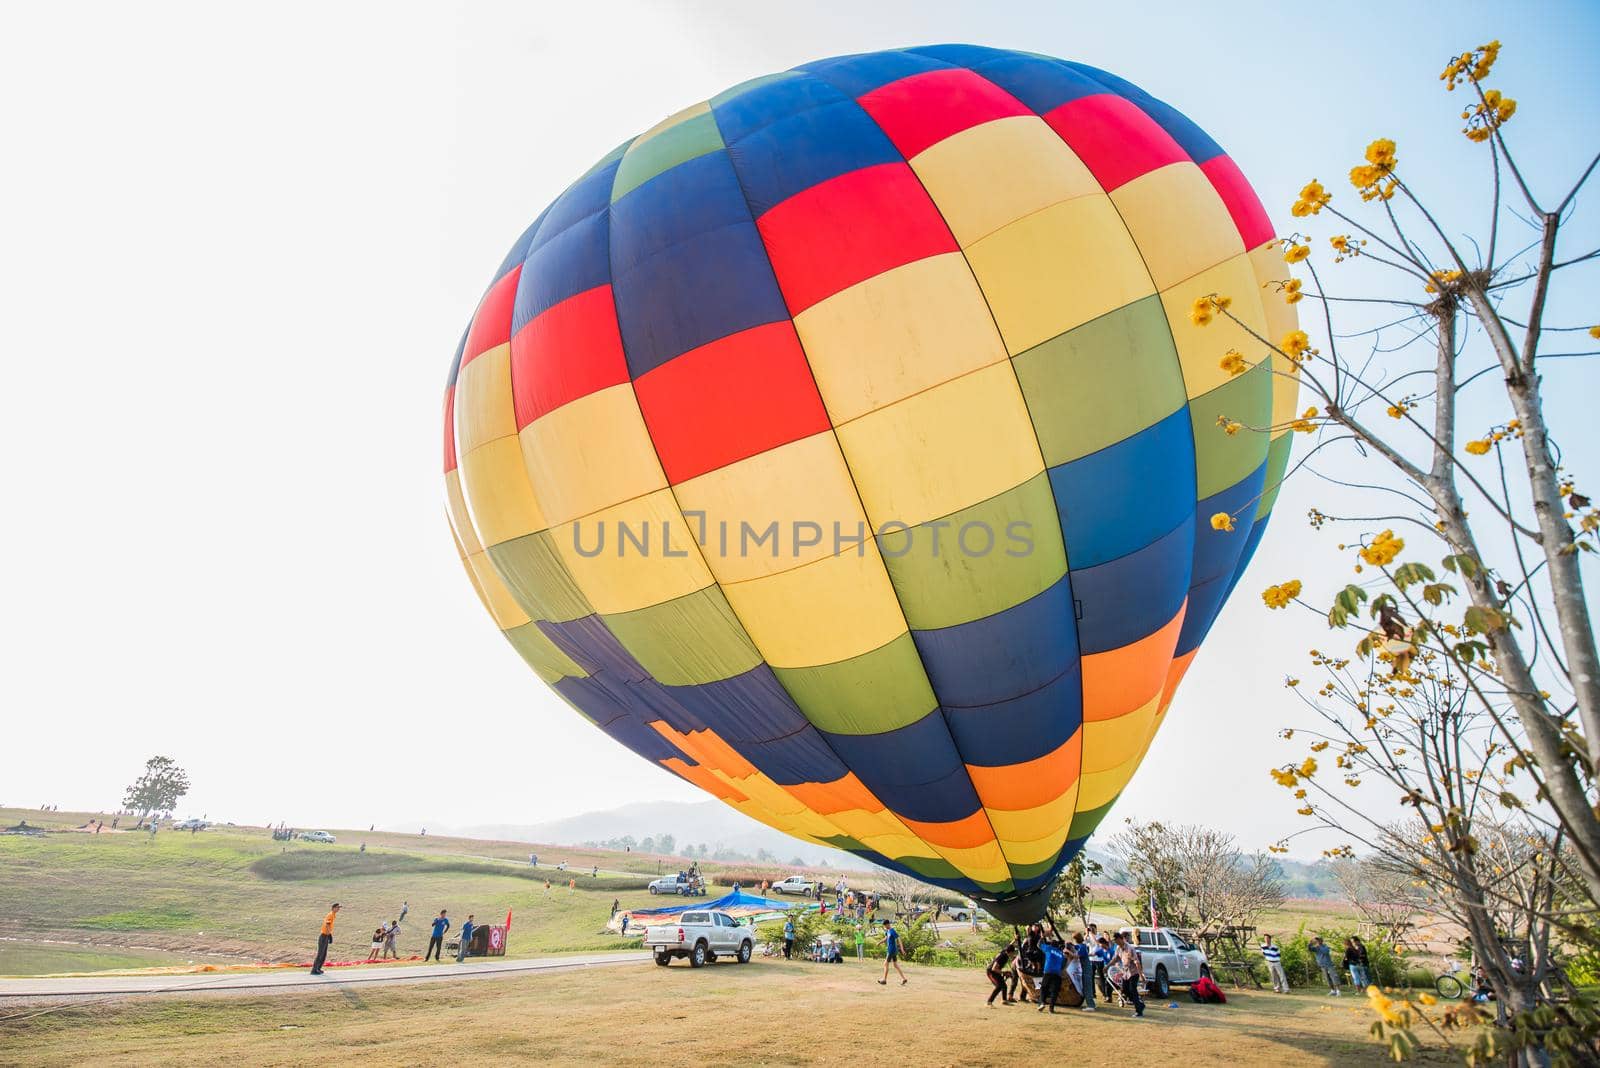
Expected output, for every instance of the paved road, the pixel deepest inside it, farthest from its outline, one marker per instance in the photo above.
(40, 989)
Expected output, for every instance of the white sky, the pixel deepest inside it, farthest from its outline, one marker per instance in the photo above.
(240, 242)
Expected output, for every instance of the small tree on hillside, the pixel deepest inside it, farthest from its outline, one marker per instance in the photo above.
(158, 789)
(905, 891)
(1384, 898)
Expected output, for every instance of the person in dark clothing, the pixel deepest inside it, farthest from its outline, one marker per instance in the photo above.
(441, 924)
(466, 940)
(1130, 967)
(1029, 967)
(324, 940)
(997, 972)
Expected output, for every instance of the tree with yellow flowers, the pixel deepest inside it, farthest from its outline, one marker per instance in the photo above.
(1471, 681)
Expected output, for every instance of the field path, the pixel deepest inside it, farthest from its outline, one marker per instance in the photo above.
(64, 988)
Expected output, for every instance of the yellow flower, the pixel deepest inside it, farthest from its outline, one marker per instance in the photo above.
(1233, 362)
(1317, 747)
(1309, 768)
(1291, 289)
(1280, 595)
(1594, 332)
(1396, 411)
(1427, 999)
(1304, 424)
(1381, 154)
(1296, 253)
(1201, 314)
(1383, 549)
(1296, 344)
(1300, 794)
(1284, 776)
(1222, 521)
(1231, 427)
(1306, 811)
(1311, 200)
(1479, 447)
(1487, 55)
(1340, 242)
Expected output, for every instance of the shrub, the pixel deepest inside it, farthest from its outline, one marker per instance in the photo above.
(807, 926)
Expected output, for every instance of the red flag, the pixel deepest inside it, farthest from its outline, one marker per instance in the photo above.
(508, 921)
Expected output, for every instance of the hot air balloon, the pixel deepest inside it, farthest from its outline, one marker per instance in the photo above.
(843, 445)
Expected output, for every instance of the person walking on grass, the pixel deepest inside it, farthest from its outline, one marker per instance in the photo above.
(325, 939)
(996, 971)
(405, 907)
(441, 924)
(891, 945)
(1324, 958)
(466, 940)
(1274, 958)
(1131, 968)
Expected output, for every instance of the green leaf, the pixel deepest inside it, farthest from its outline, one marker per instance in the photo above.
(1436, 593)
(1412, 573)
(1480, 620)
(1469, 652)
(1462, 563)
(1345, 604)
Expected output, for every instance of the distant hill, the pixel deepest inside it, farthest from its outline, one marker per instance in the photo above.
(690, 823)
(719, 828)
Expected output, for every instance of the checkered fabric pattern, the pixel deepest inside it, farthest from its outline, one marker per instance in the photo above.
(923, 298)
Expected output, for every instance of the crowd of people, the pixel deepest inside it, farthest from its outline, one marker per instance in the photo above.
(1035, 966)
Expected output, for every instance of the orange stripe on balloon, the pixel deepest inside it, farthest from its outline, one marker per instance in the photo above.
(844, 794)
(1175, 675)
(1119, 681)
(703, 778)
(968, 833)
(1018, 787)
(708, 749)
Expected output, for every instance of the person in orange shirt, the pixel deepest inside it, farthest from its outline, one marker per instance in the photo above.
(325, 939)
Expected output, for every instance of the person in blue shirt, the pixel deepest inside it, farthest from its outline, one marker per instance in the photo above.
(788, 938)
(466, 940)
(436, 941)
(891, 945)
(1054, 961)
(1085, 971)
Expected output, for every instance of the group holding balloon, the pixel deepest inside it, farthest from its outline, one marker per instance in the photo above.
(1046, 968)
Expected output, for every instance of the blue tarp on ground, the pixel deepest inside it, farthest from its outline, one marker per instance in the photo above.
(735, 903)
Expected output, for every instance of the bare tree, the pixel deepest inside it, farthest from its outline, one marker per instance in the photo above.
(1385, 898)
(904, 890)
(1199, 878)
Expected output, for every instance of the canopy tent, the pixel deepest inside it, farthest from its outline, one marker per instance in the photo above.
(737, 904)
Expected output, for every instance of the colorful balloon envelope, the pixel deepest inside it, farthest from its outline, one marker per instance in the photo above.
(843, 445)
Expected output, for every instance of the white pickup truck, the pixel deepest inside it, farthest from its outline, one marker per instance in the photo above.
(702, 937)
(1168, 959)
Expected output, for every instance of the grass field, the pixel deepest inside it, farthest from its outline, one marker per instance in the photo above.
(763, 1013)
(235, 893)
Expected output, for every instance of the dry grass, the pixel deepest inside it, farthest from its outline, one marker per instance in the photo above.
(766, 1012)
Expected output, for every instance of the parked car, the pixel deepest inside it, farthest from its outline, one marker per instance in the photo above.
(677, 884)
(191, 825)
(702, 937)
(796, 884)
(318, 836)
(1169, 959)
(967, 910)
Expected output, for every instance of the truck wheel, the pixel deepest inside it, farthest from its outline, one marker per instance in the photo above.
(654, 891)
(1161, 987)
(1205, 971)
(744, 952)
(697, 959)
(663, 959)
